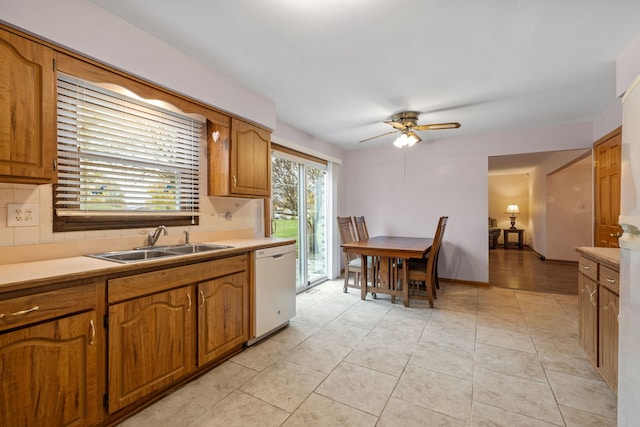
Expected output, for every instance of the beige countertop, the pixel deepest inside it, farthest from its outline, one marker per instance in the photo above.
(25, 275)
(607, 256)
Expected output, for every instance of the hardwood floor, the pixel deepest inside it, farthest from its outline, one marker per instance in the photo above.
(522, 269)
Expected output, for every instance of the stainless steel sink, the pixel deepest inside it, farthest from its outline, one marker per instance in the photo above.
(194, 248)
(132, 256)
(147, 253)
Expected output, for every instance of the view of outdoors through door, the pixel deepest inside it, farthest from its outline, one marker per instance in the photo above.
(299, 211)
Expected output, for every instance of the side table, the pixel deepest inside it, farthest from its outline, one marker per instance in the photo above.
(520, 233)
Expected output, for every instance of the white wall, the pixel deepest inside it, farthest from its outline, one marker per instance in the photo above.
(84, 27)
(538, 196)
(403, 192)
(627, 66)
(570, 210)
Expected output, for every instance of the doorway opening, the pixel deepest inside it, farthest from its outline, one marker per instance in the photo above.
(553, 191)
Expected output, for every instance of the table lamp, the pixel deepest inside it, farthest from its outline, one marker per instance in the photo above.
(513, 210)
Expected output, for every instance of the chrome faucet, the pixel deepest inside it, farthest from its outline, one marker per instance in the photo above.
(152, 237)
(186, 237)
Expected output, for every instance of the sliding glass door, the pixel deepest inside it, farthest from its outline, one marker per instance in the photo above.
(299, 211)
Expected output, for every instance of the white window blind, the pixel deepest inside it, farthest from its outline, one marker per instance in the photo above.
(118, 155)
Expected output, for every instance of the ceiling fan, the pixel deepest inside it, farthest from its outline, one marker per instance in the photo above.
(406, 123)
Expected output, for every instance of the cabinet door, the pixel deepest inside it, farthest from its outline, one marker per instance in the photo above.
(49, 372)
(588, 304)
(250, 159)
(27, 111)
(608, 337)
(223, 315)
(150, 344)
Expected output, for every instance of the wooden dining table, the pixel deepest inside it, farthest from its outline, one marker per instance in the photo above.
(388, 250)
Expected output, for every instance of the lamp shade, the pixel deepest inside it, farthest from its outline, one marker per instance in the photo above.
(513, 209)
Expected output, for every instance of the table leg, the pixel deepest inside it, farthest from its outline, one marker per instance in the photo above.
(405, 281)
(363, 277)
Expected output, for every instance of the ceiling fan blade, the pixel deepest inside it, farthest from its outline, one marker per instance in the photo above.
(378, 136)
(438, 126)
(395, 124)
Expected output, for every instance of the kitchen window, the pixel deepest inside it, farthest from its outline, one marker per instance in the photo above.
(123, 162)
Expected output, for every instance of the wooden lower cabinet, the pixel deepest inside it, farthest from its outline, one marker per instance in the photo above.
(49, 373)
(223, 316)
(166, 324)
(608, 337)
(150, 344)
(598, 293)
(588, 326)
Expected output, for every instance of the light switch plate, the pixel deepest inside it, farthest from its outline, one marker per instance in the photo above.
(23, 215)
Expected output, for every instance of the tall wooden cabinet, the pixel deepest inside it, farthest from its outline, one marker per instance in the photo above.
(239, 159)
(50, 345)
(27, 111)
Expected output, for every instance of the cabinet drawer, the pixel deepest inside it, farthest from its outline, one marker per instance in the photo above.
(610, 279)
(589, 268)
(138, 285)
(33, 308)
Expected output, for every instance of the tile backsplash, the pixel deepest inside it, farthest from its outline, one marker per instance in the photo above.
(218, 215)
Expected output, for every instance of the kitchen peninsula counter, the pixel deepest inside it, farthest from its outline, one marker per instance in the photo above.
(607, 256)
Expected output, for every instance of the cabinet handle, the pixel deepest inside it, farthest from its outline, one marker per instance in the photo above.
(235, 181)
(591, 297)
(189, 299)
(202, 299)
(610, 280)
(21, 312)
(93, 332)
(618, 234)
(586, 267)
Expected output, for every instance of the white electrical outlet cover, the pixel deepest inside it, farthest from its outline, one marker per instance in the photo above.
(23, 215)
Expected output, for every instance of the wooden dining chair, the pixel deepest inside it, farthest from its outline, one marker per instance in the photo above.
(361, 228)
(423, 272)
(351, 261)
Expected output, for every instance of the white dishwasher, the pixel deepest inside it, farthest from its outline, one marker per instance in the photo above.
(275, 289)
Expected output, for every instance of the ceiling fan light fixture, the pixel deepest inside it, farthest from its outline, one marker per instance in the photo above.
(406, 139)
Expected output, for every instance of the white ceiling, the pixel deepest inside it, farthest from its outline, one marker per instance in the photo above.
(337, 68)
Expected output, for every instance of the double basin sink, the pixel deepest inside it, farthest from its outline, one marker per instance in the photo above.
(148, 253)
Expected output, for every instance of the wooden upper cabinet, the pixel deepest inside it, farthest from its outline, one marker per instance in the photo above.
(27, 111)
(239, 159)
(607, 153)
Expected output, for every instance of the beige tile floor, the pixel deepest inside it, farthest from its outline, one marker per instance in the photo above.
(480, 357)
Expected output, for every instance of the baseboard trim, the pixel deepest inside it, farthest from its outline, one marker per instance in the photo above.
(465, 282)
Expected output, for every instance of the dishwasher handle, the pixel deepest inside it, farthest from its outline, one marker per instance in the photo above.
(274, 252)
